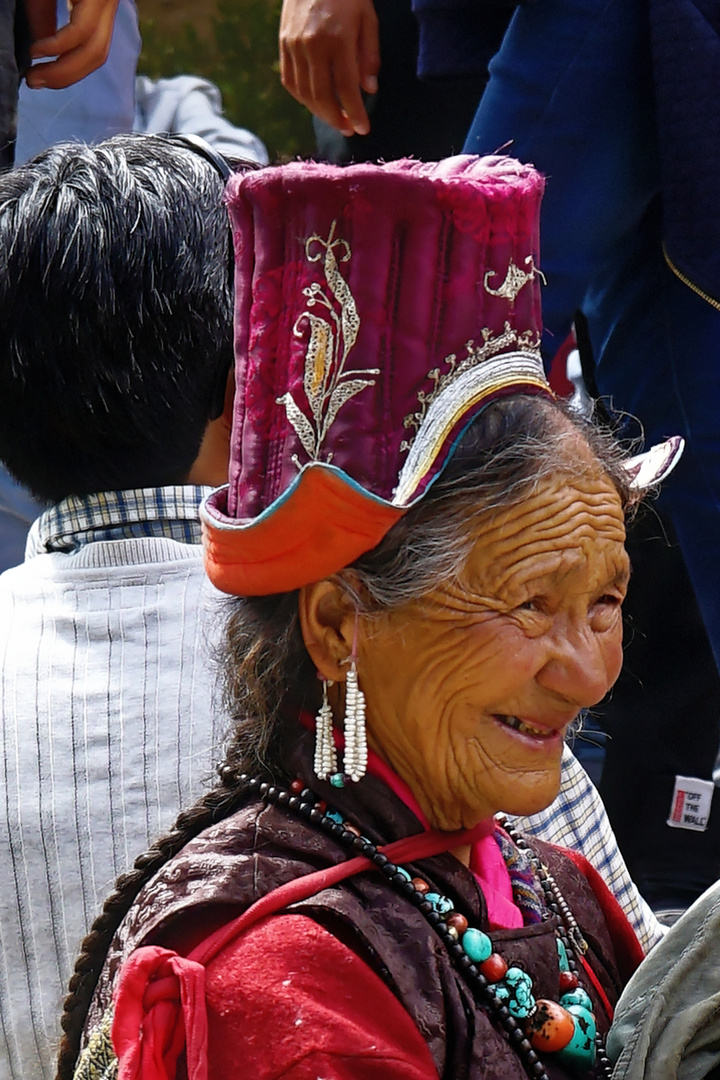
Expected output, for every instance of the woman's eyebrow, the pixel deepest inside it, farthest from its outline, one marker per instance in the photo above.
(621, 578)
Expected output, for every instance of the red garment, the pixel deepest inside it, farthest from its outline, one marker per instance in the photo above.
(287, 999)
(265, 972)
(162, 995)
(159, 998)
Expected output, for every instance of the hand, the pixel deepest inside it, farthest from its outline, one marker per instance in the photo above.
(80, 47)
(329, 53)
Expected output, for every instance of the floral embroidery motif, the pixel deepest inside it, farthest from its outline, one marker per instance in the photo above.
(515, 279)
(327, 383)
(476, 354)
(98, 1060)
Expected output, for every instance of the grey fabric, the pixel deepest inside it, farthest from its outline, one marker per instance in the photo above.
(667, 1022)
(107, 728)
(186, 103)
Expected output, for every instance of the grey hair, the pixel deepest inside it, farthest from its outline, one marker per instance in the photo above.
(514, 445)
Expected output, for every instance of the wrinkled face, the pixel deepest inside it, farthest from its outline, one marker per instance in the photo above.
(471, 690)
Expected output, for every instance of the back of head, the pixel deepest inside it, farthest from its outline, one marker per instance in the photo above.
(116, 309)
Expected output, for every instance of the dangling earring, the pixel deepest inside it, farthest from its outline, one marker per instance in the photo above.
(325, 761)
(355, 756)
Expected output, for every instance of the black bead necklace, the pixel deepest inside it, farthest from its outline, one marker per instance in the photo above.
(568, 929)
(303, 802)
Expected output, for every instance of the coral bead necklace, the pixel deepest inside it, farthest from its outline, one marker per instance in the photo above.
(564, 1030)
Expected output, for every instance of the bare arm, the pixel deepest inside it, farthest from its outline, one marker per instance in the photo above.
(80, 47)
(329, 53)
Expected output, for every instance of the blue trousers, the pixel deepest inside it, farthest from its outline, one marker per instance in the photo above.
(571, 91)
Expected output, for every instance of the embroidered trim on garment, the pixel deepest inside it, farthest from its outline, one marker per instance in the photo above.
(455, 393)
(328, 386)
(522, 877)
(98, 1061)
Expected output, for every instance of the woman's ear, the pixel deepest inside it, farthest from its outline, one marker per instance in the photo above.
(327, 621)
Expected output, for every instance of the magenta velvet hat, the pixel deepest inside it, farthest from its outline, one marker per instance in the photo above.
(379, 308)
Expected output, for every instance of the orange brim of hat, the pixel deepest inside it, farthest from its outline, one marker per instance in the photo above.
(323, 521)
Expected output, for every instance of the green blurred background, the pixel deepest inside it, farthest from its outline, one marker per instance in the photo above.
(234, 44)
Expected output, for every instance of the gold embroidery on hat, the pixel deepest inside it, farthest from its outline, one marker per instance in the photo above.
(476, 354)
(515, 279)
(327, 383)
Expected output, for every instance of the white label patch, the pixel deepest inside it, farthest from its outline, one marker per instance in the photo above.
(691, 801)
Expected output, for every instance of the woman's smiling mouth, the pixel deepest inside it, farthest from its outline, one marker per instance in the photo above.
(535, 730)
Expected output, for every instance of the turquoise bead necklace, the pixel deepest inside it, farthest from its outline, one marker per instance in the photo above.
(564, 1030)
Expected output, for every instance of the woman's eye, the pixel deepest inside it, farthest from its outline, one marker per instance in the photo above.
(530, 605)
(605, 612)
(609, 600)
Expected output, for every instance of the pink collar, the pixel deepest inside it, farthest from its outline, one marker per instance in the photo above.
(486, 861)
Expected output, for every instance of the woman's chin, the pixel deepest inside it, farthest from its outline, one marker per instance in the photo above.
(511, 788)
(527, 799)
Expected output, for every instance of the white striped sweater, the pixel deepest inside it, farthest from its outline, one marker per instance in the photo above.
(107, 728)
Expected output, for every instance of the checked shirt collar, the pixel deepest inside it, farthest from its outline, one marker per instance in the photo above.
(170, 512)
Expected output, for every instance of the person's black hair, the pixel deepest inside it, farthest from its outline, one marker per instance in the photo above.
(116, 314)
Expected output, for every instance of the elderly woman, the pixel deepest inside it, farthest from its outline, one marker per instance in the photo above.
(429, 551)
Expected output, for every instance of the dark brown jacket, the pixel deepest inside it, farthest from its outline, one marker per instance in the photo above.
(260, 847)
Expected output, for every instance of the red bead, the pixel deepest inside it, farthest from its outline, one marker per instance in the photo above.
(494, 968)
(550, 1028)
(458, 922)
(321, 806)
(296, 787)
(568, 981)
(420, 885)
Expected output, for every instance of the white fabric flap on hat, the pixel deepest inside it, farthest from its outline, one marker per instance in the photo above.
(650, 468)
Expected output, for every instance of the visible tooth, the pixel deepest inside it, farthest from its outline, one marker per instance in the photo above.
(527, 730)
(521, 726)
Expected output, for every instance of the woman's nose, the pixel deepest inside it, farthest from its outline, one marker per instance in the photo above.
(582, 666)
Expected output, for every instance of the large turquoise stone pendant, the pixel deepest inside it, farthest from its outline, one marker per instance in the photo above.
(580, 1051)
